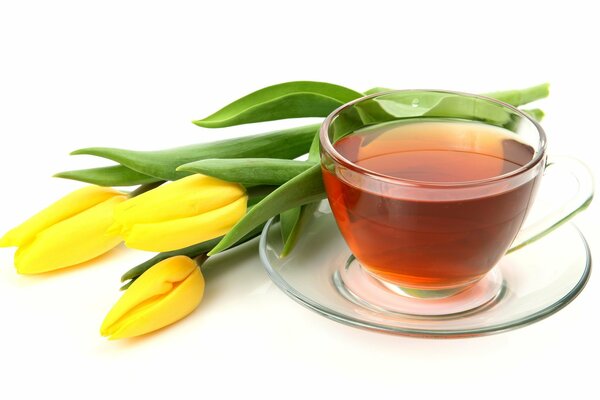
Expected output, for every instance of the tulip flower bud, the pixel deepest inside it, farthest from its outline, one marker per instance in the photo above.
(162, 295)
(181, 213)
(69, 232)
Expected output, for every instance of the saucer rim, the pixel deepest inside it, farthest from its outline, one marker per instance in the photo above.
(453, 333)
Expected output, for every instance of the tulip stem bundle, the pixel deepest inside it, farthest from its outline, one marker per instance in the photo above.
(145, 188)
(195, 201)
(194, 251)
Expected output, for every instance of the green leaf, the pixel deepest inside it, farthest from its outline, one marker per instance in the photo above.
(299, 222)
(401, 105)
(286, 100)
(522, 96)
(303, 189)
(117, 175)
(436, 104)
(377, 90)
(315, 148)
(535, 113)
(293, 221)
(407, 105)
(515, 97)
(162, 164)
(288, 221)
(257, 193)
(252, 171)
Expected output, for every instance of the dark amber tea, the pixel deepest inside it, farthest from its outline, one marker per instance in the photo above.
(432, 230)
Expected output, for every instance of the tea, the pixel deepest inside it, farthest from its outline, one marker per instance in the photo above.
(430, 242)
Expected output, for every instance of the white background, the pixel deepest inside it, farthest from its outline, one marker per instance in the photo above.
(134, 74)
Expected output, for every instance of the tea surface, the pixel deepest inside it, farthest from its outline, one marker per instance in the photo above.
(436, 151)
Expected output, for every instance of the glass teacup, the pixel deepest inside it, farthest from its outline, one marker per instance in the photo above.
(431, 188)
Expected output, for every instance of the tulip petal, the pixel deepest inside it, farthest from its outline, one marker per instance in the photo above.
(186, 197)
(70, 205)
(71, 241)
(156, 281)
(176, 305)
(165, 293)
(183, 232)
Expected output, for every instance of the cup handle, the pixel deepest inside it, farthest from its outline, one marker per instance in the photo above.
(578, 202)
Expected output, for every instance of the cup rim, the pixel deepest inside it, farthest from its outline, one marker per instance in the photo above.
(326, 144)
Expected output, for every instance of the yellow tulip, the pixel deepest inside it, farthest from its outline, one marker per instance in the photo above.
(69, 232)
(162, 295)
(181, 213)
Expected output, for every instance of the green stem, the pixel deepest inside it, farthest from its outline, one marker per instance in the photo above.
(145, 188)
(194, 251)
(200, 259)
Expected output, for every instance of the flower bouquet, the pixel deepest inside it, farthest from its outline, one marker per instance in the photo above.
(190, 203)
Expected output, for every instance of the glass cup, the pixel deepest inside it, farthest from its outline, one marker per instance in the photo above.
(433, 238)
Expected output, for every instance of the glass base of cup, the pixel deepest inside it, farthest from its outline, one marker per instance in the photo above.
(359, 286)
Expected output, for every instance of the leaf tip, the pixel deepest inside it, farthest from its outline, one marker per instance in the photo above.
(90, 151)
(217, 249)
(545, 88)
(284, 253)
(203, 123)
(69, 175)
(184, 168)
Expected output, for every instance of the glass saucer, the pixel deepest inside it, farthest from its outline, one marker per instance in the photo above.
(530, 284)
